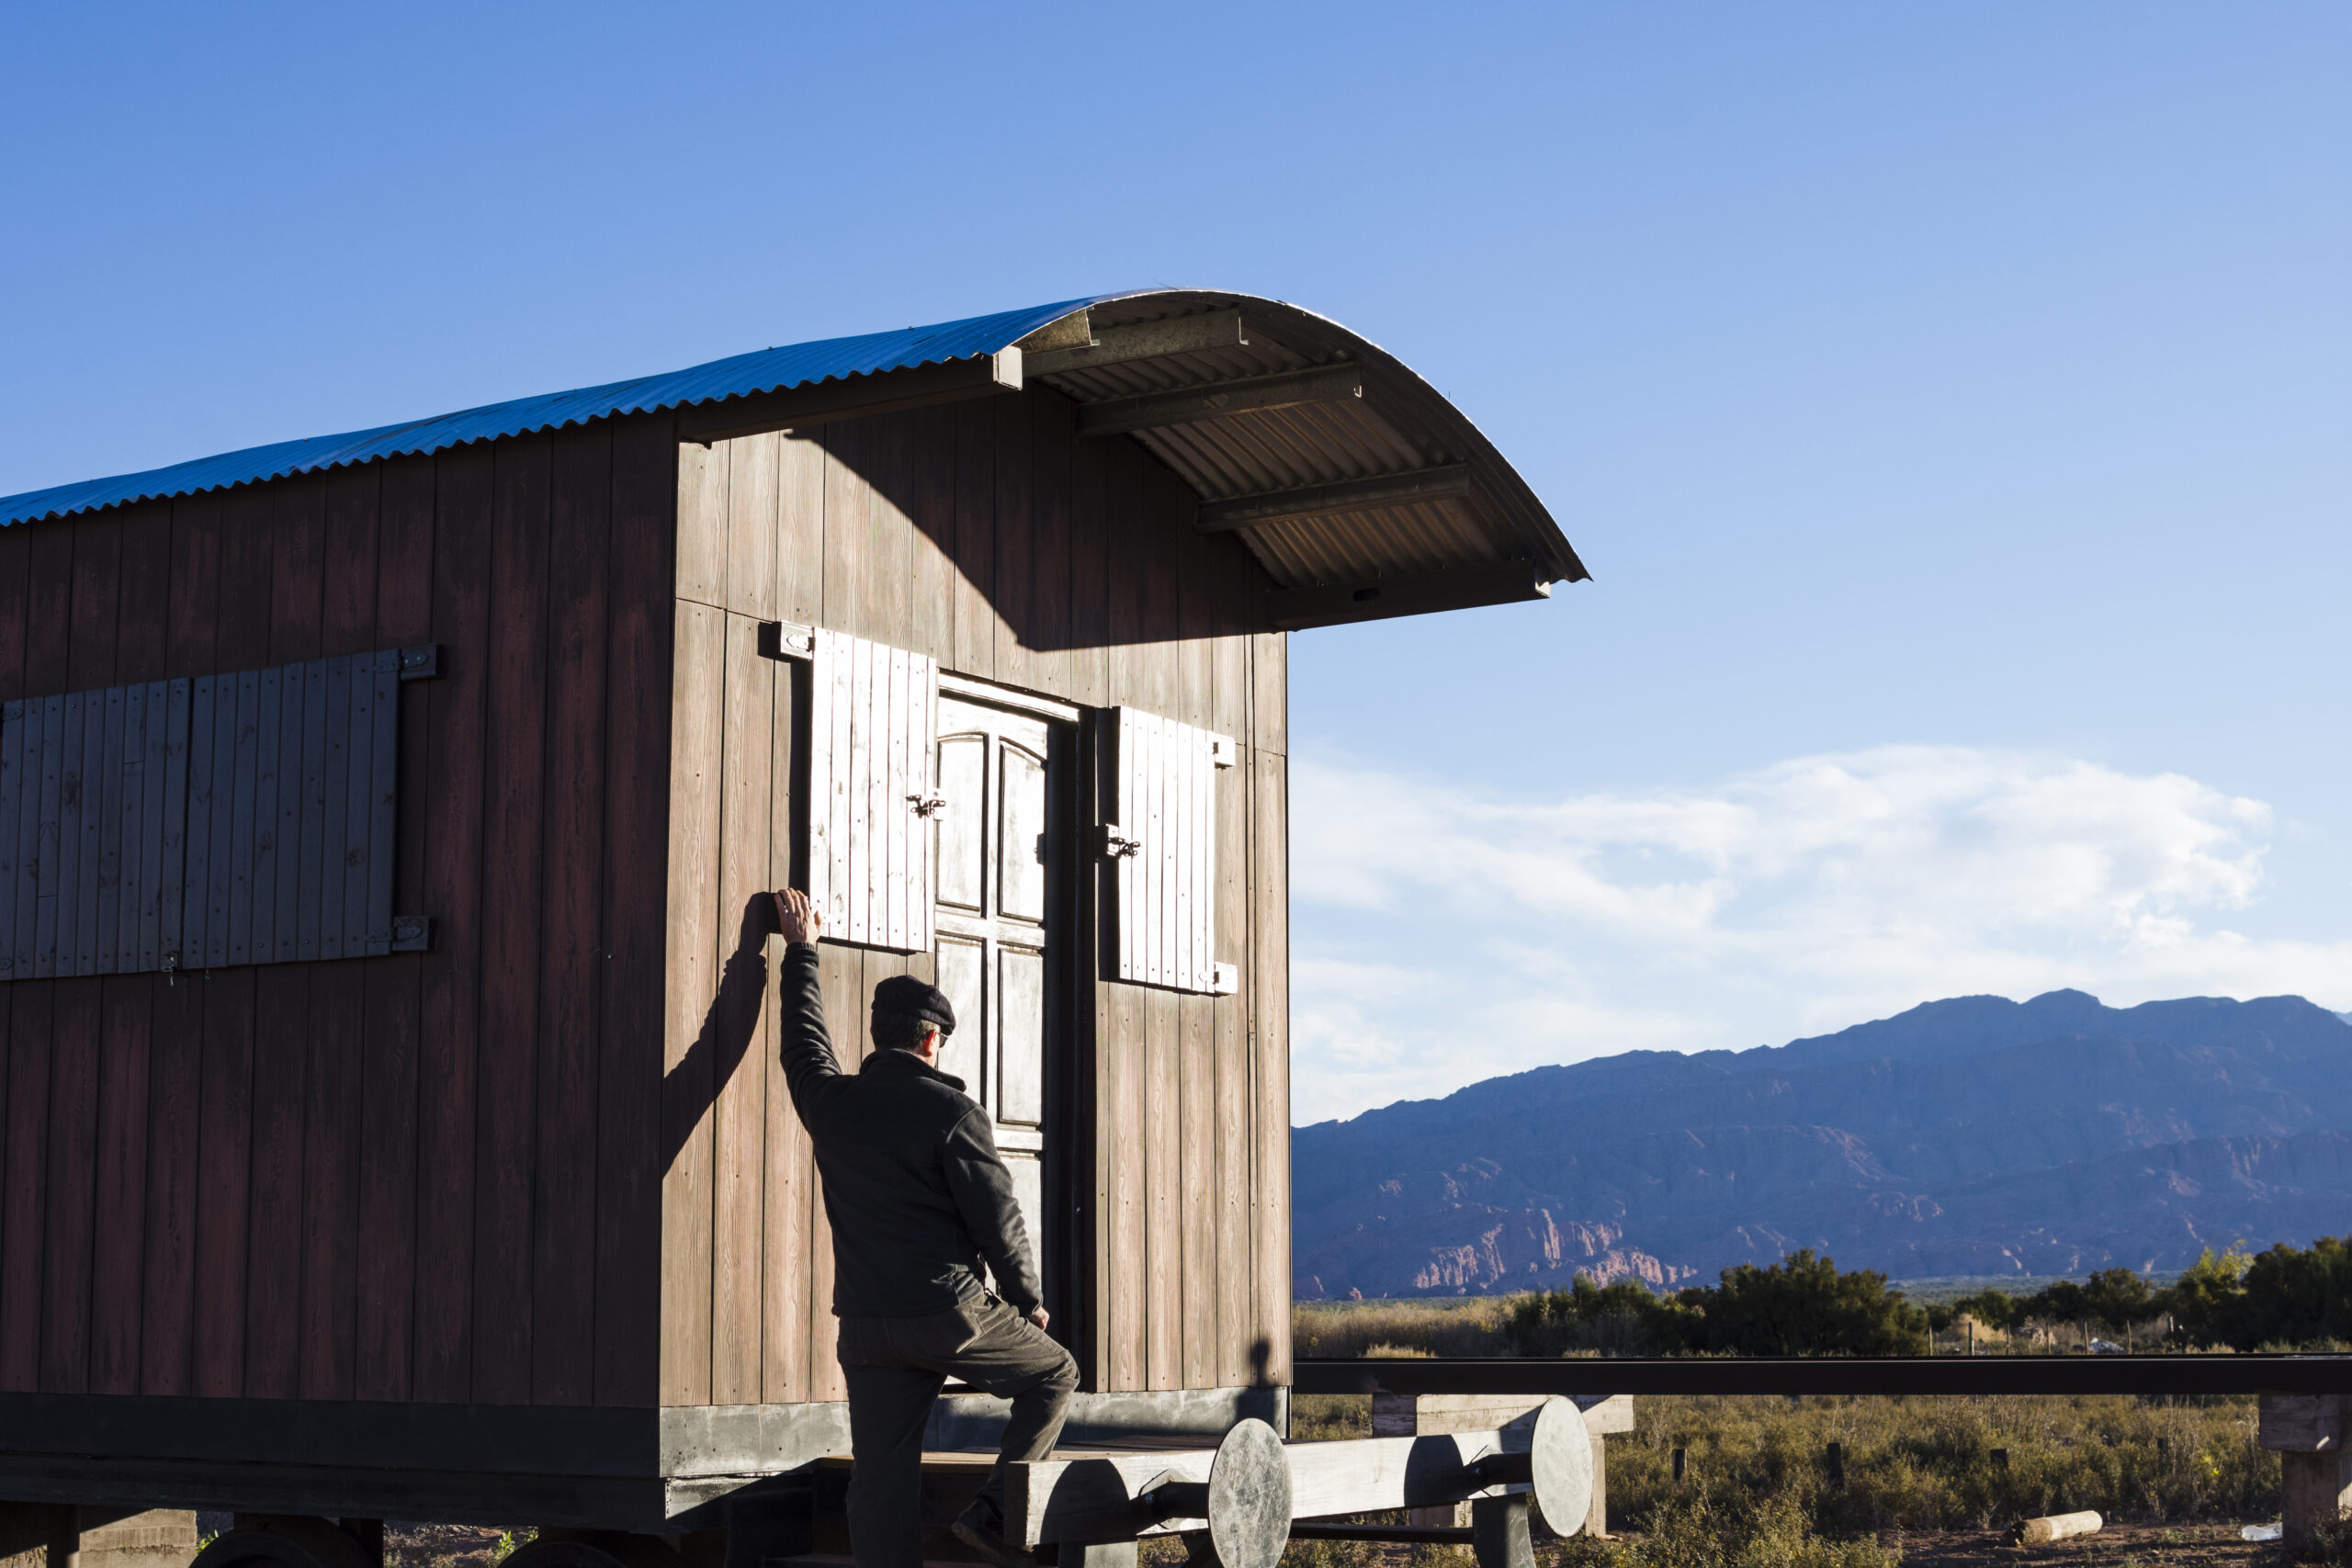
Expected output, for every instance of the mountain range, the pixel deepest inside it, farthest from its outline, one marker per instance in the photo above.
(1970, 1136)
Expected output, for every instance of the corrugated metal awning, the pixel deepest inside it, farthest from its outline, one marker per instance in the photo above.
(1382, 500)
(1362, 492)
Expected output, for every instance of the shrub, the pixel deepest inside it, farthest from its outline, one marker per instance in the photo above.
(1803, 1306)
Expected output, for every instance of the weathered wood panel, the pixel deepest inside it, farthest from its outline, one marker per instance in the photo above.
(513, 850)
(641, 611)
(689, 1077)
(740, 1120)
(563, 1269)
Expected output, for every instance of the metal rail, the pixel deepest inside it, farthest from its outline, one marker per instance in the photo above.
(1831, 1375)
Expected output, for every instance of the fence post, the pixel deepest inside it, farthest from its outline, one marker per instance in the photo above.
(2307, 1432)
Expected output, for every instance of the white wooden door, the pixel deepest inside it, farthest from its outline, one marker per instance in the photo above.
(991, 860)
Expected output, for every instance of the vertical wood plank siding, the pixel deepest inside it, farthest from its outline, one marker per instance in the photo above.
(985, 537)
(552, 1160)
(341, 1173)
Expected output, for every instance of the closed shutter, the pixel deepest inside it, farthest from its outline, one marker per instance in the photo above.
(1162, 846)
(872, 719)
(205, 823)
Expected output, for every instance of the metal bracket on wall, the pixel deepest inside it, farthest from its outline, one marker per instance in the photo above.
(786, 639)
(421, 662)
(1111, 845)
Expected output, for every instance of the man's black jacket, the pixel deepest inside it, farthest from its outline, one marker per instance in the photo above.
(918, 1196)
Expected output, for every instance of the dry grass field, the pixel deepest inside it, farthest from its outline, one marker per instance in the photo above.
(1922, 1482)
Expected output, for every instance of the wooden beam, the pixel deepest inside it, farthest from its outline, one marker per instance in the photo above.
(1094, 1497)
(1143, 340)
(885, 392)
(1323, 501)
(1221, 399)
(1341, 603)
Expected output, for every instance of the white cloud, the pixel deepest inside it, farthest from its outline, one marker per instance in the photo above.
(1444, 936)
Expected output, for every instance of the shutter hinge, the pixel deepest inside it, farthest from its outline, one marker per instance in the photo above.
(1111, 845)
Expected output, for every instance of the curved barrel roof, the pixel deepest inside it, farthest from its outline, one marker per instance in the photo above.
(1337, 466)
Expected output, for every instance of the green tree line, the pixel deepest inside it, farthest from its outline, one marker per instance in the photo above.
(2286, 1297)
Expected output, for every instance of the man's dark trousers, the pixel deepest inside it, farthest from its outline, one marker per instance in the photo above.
(895, 1367)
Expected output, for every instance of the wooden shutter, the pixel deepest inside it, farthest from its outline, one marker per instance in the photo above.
(873, 717)
(1162, 845)
(197, 824)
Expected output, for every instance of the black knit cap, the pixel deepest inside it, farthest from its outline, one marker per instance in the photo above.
(910, 997)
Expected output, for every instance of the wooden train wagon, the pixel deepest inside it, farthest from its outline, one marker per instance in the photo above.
(391, 1121)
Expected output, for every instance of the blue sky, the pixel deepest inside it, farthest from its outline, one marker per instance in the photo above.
(1951, 400)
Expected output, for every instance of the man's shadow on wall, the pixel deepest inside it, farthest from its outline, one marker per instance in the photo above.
(689, 1088)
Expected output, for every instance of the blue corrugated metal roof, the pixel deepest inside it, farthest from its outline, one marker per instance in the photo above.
(796, 365)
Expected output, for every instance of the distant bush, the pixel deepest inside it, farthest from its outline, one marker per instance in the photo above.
(2287, 1297)
(1803, 1306)
(1622, 1319)
(1800, 1306)
(2290, 1297)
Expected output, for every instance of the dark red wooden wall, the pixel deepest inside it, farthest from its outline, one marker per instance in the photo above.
(427, 1177)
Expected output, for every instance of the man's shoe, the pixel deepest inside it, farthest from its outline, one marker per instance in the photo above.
(980, 1528)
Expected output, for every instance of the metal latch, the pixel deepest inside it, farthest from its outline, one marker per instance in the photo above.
(927, 804)
(1111, 845)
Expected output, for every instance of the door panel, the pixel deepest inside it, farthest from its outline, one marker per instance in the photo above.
(1021, 855)
(963, 850)
(963, 968)
(995, 857)
(1021, 1036)
(1029, 1190)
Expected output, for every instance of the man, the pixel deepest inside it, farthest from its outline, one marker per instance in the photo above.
(919, 1199)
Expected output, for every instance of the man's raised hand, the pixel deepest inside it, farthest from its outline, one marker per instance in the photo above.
(799, 918)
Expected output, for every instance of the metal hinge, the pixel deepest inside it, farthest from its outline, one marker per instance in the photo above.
(1111, 845)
